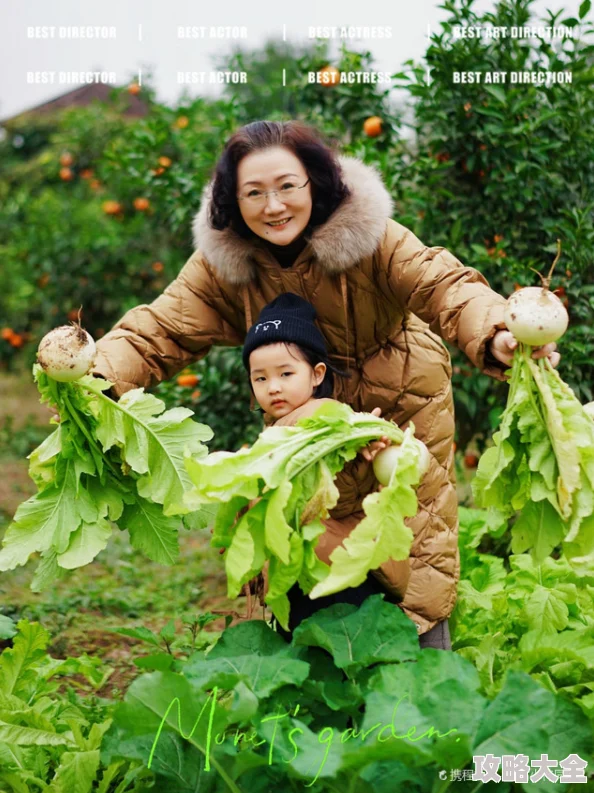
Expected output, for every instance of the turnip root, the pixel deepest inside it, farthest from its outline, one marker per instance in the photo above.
(66, 353)
(535, 315)
(385, 461)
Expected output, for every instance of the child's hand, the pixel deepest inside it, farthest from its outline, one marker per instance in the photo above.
(374, 447)
(369, 451)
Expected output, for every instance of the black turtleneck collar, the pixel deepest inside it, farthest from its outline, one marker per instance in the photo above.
(287, 254)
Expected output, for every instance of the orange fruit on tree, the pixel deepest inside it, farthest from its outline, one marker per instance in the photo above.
(134, 89)
(43, 281)
(16, 340)
(73, 315)
(7, 333)
(95, 184)
(372, 126)
(497, 238)
(470, 460)
(188, 380)
(111, 207)
(195, 395)
(158, 171)
(66, 174)
(329, 76)
(141, 204)
(157, 267)
(165, 162)
(86, 173)
(181, 122)
(66, 159)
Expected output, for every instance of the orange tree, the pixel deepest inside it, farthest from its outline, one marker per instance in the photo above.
(495, 173)
(501, 171)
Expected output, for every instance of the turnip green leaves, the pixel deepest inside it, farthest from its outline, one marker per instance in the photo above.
(107, 462)
(283, 485)
(542, 466)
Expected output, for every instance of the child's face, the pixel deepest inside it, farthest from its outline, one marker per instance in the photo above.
(282, 379)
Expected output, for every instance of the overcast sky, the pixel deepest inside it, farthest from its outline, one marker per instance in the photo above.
(147, 37)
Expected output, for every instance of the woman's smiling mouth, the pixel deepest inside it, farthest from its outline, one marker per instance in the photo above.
(278, 222)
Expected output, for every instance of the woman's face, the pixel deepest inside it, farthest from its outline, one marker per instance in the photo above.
(282, 379)
(271, 169)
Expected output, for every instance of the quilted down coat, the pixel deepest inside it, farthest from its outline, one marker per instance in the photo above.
(384, 302)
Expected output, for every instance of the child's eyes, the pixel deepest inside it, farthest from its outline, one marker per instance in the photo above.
(261, 378)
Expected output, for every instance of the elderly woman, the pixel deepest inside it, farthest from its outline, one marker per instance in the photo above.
(283, 213)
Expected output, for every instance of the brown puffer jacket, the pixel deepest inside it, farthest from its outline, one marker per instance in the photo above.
(383, 301)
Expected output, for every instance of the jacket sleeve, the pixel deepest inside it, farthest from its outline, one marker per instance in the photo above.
(456, 301)
(355, 480)
(153, 342)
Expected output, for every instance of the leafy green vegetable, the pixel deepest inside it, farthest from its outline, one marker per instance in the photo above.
(537, 617)
(541, 465)
(51, 742)
(352, 703)
(108, 461)
(290, 471)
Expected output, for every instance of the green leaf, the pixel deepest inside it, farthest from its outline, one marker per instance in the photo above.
(532, 720)
(85, 543)
(28, 736)
(76, 773)
(152, 445)
(7, 627)
(358, 637)
(277, 530)
(497, 93)
(17, 663)
(166, 722)
(539, 528)
(151, 531)
(47, 518)
(545, 611)
(263, 666)
(382, 534)
(584, 8)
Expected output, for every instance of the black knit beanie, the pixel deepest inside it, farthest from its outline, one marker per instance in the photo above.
(287, 318)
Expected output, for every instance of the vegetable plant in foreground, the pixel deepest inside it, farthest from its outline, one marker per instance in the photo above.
(542, 461)
(284, 484)
(107, 462)
(351, 704)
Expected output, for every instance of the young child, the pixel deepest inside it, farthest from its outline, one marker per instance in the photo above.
(290, 375)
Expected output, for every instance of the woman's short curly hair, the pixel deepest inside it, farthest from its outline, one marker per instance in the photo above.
(320, 162)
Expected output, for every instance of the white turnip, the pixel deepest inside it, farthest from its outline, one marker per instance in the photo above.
(385, 461)
(66, 353)
(534, 314)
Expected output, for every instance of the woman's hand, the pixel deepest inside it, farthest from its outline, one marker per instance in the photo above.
(504, 343)
(369, 451)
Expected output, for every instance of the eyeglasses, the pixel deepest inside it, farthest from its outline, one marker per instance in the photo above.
(258, 197)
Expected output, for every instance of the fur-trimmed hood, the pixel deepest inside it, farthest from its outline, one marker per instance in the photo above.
(352, 232)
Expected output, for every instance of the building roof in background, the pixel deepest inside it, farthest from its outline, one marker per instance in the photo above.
(81, 96)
